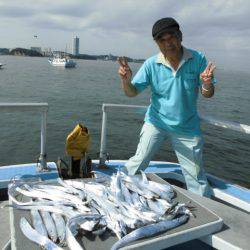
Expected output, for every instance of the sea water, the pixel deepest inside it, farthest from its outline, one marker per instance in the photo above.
(76, 96)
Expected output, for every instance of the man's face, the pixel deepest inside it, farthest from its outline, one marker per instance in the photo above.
(169, 43)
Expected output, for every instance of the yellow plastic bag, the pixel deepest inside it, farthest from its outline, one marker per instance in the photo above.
(78, 142)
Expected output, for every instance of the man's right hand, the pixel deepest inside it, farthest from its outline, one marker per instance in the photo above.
(126, 74)
(124, 70)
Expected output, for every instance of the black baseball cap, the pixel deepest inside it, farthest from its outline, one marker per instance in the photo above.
(164, 25)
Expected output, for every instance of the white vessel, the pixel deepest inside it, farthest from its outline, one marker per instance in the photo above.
(62, 62)
(230, 203)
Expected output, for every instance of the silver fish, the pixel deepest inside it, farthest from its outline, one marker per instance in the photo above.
(149, 230)
(101, 177)
(52, 194)
(74, 190)
(73, 225)
(89, 225)
(34, 236)
(154, 206)
(38, 222)
(66, 211)
(101, 227)
(70, 237)
(50, 225)
(126, 194)
(116, 181)
(60, 227)
(134, 186)
(136, 201)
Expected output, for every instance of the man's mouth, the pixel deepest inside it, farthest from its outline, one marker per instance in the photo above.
(169, 47)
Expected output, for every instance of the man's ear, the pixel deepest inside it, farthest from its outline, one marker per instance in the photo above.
(178, 34)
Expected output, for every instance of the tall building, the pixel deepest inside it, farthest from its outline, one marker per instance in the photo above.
(75, 47)
(47, 52)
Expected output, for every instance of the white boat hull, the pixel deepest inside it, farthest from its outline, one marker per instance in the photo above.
(62, 62)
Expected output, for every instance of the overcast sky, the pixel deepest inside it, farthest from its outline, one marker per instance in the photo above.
(219, 28)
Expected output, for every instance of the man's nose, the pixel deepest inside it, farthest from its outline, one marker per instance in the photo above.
(168, 42)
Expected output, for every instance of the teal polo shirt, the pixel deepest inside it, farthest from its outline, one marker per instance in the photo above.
(174, 94)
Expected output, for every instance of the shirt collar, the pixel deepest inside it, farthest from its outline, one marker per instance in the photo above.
(186, 55)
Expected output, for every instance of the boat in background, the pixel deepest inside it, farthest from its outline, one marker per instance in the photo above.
(1, 65)
(62, 62)
(230, 202)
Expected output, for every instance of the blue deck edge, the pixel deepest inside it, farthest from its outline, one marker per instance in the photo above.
(26, 171)
(29, 170)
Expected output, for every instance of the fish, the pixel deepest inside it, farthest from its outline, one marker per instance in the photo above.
(115, 186)
(126, 194)
(136, 200)
(143, 201)
(38, 222)
(154, 206)
(60, 227)
(56, 195)
(50, 225)
(120, 203)
(133, 185)
(150, 230)
(66, 211)
(89, 225)
(73, 226)
(34, 236)
(11, 194)
(72, 189)
(70, 236)
(101, 177)
(101, 227)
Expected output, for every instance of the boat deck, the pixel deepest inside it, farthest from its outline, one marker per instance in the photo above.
(5, 234)
(4, 225)
(205, 222)
(234, 234)
(235, 231)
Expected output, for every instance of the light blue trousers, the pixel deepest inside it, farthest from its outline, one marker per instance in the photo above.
(188, 150)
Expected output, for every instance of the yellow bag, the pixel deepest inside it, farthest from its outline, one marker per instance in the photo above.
(78, 142)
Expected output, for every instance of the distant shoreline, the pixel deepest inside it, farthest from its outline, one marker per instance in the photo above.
(34, 53)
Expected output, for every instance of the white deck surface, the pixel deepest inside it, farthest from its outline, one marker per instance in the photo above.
(5, 222)
(235, 232)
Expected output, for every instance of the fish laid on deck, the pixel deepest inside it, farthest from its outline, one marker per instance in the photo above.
(131, 207)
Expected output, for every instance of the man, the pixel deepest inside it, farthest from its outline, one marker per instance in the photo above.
(175, 76)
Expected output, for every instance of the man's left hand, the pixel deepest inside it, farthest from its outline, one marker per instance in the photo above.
(207, 75)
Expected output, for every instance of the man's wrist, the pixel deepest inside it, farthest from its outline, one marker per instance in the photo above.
(126, 82)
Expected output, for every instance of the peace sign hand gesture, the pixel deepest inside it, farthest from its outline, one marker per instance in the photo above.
(207, 74)
(124, 70)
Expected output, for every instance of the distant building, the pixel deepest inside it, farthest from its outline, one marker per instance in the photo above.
(110, 57)
(47, 52)
(75, 47)
(37, 49)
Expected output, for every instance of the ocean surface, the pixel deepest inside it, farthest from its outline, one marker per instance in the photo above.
(76, 96)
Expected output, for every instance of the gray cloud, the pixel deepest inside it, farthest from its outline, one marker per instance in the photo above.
(125, 26)
(76, 10)
(15, 12)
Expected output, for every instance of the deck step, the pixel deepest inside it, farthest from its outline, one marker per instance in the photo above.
(235, 231)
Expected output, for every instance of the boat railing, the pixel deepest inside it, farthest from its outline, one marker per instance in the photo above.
(33, 107)
(135, 108)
